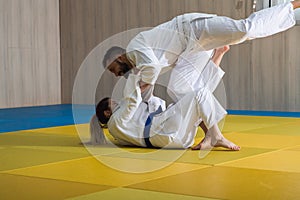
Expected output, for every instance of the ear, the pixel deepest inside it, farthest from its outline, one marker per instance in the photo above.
(123, 58)
(107, 113)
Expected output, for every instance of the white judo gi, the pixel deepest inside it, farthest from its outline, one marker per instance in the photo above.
(159, 49)
(175, 127)
(185, 45)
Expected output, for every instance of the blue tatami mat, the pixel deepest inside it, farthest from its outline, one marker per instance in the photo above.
(14, 119)
(264, 113)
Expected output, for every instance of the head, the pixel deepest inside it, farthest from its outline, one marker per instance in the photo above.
(115, 61)
(104, 109)
(103, 112)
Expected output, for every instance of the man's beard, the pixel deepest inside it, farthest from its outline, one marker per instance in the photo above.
(125, 69)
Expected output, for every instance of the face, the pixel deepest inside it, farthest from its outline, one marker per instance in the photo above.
(112, 105)
(118, 67)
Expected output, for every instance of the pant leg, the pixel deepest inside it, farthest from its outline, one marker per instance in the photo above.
(176, 127)
(192, 71)
(219, 31)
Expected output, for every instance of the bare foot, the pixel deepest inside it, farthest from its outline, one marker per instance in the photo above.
(214, 138)
(219, 53)
(209, 143)
(227, 144)
(206, 144)
(222, 50)
(198, 146)
(296, 4)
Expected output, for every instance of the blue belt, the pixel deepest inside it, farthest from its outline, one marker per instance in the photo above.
(148, 126)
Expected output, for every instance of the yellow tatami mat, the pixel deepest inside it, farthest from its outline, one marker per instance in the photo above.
(51, 163)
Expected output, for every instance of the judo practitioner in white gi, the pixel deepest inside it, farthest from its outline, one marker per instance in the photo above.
(185, 44)
(130, 122)
(161, 48)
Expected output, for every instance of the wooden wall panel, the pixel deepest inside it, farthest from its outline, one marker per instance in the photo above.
(20, 77)
(296, 98)
(47, 52)
(3, 52)
(238, 76)
(270, 81)
(20, 20)
(29, 53)
(293, 68)
(275, 78)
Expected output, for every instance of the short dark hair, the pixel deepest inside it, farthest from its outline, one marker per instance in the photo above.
(110, 53)
(102, 106)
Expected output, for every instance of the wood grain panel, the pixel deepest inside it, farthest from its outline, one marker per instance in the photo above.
(47, 76)
(46, 52)
(262, 74)
(20, 20)
(297, 88)
(20, 77)
(46, 27)
(293, 67)
(65, 26)
(238, 76)
(29, 53)
(82, 32)
(3, 82)
(3, 53)
(67, 74)
(270, 75)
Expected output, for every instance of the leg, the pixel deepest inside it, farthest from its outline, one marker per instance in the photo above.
(220, 31)
(296, 4)
(219, 53)
(211, 113)
(186, 73)
(195, 70)
(204, 128)
(216, 58)
(214, 138)
(176, 127)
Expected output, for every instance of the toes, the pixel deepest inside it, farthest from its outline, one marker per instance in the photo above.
(235, 148)
(197, 147)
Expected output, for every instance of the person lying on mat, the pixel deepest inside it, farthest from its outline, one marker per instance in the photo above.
(149, 124)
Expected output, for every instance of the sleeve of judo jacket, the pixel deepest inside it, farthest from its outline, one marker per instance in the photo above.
(132, 97)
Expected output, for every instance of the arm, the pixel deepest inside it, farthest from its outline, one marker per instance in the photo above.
(132, 97)
(148, 76)
(149, 73)
(147, 65)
